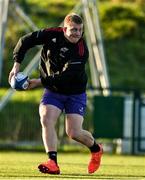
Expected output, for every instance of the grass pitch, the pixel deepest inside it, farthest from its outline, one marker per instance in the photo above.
(23, 165)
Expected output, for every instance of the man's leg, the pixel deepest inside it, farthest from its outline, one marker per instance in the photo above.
(48, 118)
(75, 131)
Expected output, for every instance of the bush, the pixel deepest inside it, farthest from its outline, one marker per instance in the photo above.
(123, 31)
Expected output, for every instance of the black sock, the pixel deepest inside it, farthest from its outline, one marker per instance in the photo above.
(52, 155)
(95, 147)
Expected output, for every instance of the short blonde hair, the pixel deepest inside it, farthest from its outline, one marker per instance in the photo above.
(72, 17)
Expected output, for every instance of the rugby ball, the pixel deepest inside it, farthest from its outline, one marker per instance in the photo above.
(19, 82)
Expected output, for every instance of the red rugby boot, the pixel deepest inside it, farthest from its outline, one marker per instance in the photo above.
(49, 167)
(95, 161)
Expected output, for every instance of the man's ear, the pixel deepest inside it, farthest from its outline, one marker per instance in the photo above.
(64, 29)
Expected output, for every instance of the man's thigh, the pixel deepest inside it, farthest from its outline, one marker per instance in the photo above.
(74, 122)
(49, 112)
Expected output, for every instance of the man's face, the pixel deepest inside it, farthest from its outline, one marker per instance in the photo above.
(73, 32)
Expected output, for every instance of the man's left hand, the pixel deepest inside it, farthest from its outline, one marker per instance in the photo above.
(33, 83)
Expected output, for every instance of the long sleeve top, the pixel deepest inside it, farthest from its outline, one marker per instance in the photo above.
(62, 63)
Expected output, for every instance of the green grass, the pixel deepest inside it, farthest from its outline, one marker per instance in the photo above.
(23, 165)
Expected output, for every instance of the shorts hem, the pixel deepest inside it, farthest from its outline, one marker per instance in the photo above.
(74, 113)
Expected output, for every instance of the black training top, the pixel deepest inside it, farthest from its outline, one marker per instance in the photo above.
(62, 65)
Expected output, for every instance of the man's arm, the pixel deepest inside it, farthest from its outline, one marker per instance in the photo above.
(14, 71)
(28, 41)
(24, 44)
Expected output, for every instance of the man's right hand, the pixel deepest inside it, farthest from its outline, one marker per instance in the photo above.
(14, 71)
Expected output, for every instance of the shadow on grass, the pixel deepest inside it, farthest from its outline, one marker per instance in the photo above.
(97, 176)
(78, 176)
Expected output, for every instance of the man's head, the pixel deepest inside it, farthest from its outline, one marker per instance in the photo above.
(73, 27)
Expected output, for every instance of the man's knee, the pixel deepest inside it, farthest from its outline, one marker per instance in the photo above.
(44, 116)
(47, 120)
(73, 133)
(44, 120)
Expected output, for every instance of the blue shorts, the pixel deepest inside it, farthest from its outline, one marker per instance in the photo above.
(69, 103)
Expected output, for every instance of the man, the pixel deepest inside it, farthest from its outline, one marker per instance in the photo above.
(62, 74)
